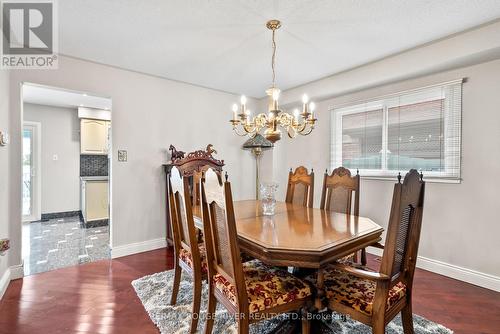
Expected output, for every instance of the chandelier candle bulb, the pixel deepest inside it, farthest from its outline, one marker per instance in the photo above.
(276, 95)
(235, 112)
(248, 114)
(243, 101)
(305, 107)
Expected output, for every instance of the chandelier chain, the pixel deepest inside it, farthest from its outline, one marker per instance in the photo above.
(273, 61)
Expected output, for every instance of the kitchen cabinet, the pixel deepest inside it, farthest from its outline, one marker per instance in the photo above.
(94, 136)
(95, 199)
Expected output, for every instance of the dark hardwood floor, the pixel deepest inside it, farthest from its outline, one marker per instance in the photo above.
(98, 298)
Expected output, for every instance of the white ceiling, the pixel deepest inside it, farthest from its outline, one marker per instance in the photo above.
(63, 98)
(223, 44)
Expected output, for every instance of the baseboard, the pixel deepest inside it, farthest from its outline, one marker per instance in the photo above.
(10, 274)
(4, 282)
(138, 247)
(16, 272)
(450, 270)
(58, 215)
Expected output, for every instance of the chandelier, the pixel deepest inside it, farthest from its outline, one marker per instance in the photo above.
(300, 122)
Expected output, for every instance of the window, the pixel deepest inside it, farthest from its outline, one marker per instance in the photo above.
(418, 129)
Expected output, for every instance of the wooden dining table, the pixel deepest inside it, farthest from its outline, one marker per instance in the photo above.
(296, 236)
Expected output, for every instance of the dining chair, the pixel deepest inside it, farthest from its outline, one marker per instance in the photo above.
(252, 291)
(337, 194)
(300, 189)
(189, 255)
(375, 298)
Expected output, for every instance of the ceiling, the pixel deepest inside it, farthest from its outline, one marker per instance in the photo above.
(223, 44)
(50, 96)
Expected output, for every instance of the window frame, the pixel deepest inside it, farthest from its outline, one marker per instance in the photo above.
(419, 95)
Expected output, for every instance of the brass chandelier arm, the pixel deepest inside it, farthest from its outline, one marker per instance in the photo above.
(308, 132)
(241, 134)
(293, 134)
(250, 128)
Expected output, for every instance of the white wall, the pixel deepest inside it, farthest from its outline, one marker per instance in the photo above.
(4, 172)
(60, 136)
(460, 224)
(149, 114)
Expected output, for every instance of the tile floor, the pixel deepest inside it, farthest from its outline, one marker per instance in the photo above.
(62, 242)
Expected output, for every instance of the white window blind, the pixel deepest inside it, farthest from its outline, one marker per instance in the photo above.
(418, 129)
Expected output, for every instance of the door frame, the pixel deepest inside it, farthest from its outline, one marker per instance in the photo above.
(36, 190)
(21, 102)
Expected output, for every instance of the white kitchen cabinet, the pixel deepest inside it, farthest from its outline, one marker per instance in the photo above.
(95, 200)
(94, 136)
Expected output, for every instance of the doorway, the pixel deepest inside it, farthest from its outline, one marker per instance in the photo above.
(66, 170)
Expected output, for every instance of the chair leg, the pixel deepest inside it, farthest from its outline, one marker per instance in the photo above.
(407, 319)
(378, 326)
(243, 324)
(355, 257)
(196, 302)
(212, 303)
(306, 324)
(177, 282)
(363, 257)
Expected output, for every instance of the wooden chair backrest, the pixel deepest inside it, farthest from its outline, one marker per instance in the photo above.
(181, 212)
(221, 239)
(300, 189)
(403, 233)
(337, 192)
(196, 190)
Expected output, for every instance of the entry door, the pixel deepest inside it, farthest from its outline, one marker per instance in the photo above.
(31, 171)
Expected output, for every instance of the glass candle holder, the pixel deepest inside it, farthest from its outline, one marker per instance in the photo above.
(268, 198)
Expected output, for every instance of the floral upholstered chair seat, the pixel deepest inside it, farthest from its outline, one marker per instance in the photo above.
(266, 286)
(355, 292)
(187, 258)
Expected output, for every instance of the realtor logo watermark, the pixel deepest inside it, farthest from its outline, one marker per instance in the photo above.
(29, 34)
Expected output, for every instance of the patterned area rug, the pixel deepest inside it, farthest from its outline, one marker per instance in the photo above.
(154, 292)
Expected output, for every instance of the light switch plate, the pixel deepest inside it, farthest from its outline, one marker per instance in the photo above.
(122, 155)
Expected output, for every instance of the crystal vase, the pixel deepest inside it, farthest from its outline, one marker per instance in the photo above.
(268, 198)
